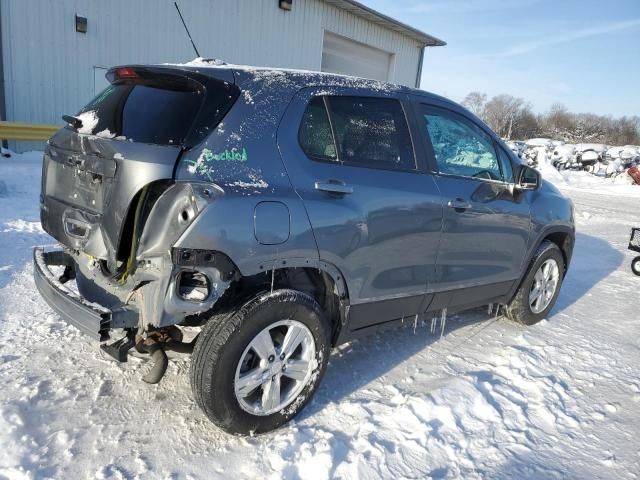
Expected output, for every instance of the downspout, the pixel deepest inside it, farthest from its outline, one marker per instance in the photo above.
(3, 106)
(420, 61)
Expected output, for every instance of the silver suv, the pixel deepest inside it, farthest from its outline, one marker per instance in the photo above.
(284, 213)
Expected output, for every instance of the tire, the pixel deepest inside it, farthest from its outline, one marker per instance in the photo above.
(520, 309)
(635, 265)
(224, 344)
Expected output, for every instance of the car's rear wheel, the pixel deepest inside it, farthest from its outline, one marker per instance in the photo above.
(256, 369)
(540, 288)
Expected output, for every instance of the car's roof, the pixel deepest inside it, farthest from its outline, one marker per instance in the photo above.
(297, 78)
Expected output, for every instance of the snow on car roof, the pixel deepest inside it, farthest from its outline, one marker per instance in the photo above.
(302, 76)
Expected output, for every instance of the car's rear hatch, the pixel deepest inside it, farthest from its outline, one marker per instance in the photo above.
(130, 135)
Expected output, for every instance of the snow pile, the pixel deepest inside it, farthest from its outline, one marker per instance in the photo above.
(546, 169)
(89, 121)
(582, 180)
(200, 62)
(106, 133)
(490, 399)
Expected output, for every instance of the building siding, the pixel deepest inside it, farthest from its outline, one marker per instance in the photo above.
(49, 67)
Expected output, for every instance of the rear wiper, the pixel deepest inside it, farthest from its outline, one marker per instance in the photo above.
(75, 122)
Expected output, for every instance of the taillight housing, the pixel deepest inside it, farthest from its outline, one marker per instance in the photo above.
(126, 72)
(193, 286)
(123, 74)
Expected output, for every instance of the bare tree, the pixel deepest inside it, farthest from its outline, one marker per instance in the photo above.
(502, 113)
(475, 101)
(512, 117)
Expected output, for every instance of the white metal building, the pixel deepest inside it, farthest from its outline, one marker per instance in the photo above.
(51, 67)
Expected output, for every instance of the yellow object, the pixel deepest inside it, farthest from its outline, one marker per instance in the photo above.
(26, 131)
(136, 216)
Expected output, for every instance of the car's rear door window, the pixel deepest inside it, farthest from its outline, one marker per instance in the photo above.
(315, 136)
(359, 131)
(460, 147)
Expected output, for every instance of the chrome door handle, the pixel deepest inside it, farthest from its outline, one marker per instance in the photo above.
(459, 204)
(334, 186)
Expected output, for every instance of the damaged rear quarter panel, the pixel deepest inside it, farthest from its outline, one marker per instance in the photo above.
(101, 206)
(241, 156)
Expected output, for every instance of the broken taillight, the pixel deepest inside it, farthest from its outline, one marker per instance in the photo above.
(192, 286)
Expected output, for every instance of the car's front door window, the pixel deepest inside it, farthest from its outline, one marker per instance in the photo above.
(460, 147)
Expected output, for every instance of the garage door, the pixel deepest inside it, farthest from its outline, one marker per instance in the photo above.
(346, 56)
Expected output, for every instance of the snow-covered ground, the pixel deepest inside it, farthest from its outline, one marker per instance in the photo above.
(490, 399)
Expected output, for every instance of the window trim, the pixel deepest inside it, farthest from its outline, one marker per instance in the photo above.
(339, 160)
(431, 152)
(499, 149)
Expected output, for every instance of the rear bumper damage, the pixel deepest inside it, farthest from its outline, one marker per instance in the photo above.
(162, 284)
(90, 318)
(146, 295)
(97, 321)
(152, 298)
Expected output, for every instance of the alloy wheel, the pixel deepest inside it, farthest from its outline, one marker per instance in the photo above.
(545, 283)
(275, 367)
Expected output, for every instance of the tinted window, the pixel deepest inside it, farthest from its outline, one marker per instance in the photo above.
(372, 132)
(460, 147)
(315, 134)
(162, 109)
(146, 114)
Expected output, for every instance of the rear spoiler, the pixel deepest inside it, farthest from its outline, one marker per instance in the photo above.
(195, 72)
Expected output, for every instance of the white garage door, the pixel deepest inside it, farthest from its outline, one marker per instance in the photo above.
(346, 56)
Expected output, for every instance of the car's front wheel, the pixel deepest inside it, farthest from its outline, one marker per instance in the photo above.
(540, 288)
(256, 369)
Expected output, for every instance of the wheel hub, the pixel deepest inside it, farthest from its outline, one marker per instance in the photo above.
(545, 284)
(275, 367)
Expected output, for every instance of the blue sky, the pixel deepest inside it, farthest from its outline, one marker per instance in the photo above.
(582, 53)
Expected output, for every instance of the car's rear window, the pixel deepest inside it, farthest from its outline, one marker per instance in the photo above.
(159, 111)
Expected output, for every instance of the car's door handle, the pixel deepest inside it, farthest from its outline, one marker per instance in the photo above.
(459, 205)
(334, 186)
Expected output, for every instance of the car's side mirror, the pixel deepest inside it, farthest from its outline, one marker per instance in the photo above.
(528, 179)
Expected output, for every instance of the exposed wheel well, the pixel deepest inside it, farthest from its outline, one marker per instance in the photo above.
(313, 281)
(564, 242)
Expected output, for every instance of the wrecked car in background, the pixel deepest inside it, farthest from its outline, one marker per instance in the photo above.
(537, 150)
(588, 154)
(284, 213)
(627, 155)
(564, 156)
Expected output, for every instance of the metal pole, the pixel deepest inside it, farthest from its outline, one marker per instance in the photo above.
(3, 106)
(420, 61)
